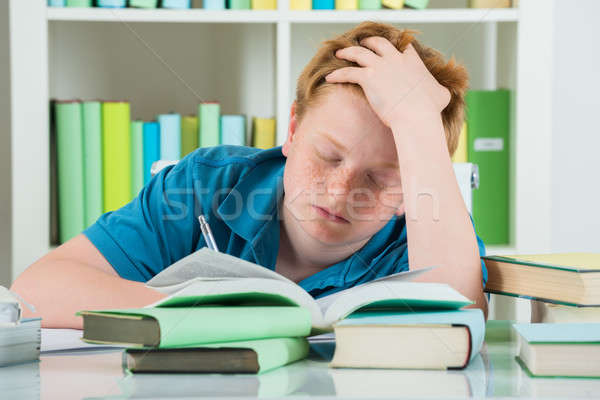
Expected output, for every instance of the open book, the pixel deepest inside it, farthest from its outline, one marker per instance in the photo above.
(209, 277)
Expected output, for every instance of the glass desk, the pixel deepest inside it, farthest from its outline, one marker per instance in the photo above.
(97, 373)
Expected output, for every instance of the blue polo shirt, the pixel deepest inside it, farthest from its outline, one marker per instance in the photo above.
(239, 190)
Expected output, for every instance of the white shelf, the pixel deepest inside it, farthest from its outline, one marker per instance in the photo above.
(274, 16)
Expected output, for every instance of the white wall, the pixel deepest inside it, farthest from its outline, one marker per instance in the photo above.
(5, 145)
(576, 129)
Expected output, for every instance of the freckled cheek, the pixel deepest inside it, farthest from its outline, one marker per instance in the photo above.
(305, 179)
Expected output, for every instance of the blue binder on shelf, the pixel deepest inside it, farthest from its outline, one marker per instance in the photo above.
(151, 134)
(111, 3)
(175, 3)
(323, 4)
(233, 130)
(56, 3)
(170, 136)
(213, 4)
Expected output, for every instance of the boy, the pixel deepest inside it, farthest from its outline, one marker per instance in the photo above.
(366, 166)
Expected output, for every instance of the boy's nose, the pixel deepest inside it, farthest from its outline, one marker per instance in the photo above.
(341, 182)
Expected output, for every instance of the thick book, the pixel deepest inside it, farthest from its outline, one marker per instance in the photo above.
(542, 311)
(116, 154)
(561, 349)
(209, 131)
(189, 134)
(188, 325)
(409, 339)
(263, 132)
(233, 130)
(562, 278)
(249, 356)
(488, 146)
(210, 277)
(69, 148)
(20, 341)
(170, 136)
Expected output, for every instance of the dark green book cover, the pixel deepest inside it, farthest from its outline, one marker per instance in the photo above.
(487, 114)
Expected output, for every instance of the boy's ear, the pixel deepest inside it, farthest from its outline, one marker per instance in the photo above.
(285, 149)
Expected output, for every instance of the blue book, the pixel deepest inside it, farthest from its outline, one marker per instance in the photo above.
(170, 136)
(56, 3)
(175, 3)
(213, 4)
(233, 130)
(151, 147)
(111, 3)
(560, 349)
(323, 4)
(409, 339)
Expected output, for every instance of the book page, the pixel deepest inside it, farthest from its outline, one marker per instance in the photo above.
(208, 264)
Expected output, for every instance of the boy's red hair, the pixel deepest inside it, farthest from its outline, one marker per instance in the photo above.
(311, 85)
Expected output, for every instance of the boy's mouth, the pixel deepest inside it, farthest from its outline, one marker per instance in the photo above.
(325, 212)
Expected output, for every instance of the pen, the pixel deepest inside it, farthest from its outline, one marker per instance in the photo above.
(207, 233)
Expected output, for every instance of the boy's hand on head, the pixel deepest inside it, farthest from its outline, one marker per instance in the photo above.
(397, 84)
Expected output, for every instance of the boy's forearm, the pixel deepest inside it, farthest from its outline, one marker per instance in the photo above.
(439, 229)
(60, 288)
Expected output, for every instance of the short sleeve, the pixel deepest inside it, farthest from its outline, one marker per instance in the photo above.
(155, 229)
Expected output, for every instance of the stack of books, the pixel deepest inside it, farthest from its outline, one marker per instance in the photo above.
(19, 337)
(563, 337)
(101, 159)
(225, 314)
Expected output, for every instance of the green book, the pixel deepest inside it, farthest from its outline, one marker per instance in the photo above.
(189, 134)
(239, 5)
(166, 327)
(209, 131)
(116, 155)
(69, 143)
(560, 349)
(488, 144)
(79, 3)
(137, 157)
(92, 151)
(249, 356)
(143, 3)
(418, 4)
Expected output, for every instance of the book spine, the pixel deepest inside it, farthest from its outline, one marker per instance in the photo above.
(488, 127)
(323, 4)
(189, 134)
(92, 156)
(70, 169)
(151, 147)
(300, 4)
(177, 4)
(170, 136)
(346, 4)
(264, 4)
(137, 157)
(393, 4)
(239, 5)
(78, 3)
(143, 3)
(233, 130)
(213, 4)
(460, 154)
(369, 4)
(116, 154)
(56, 3)
(418, 4)
(111, 3)
(263, 132)
(208, 124)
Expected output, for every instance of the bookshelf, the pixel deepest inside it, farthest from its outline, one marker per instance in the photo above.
(157, 59)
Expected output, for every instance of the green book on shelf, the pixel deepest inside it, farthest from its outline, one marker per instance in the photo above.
(116, 154)
(137, 157)
(189, 134)
(69, 143)
(92, 160)
(418, 4)
(143, 3)
(209, 130)
(249, 356)
(79, 3)
(166, 327)
(488, 144)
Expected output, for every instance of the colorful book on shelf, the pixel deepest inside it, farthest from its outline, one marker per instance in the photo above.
(176, 4)
(560, 350)
(143, 3)
(264, 4)
(300, 4)
(92, 160)
(56, 3)
(369, 4)
(489, 3)
(111, 3)
(393, 4)
(189, 134)
(208, 123)
(213, 4)
(488, 144)
(239, 4)
(233, 130)
(170, 136)
(137, 157)
(78, 3)
(418, 4)
(263, 132)
(323, 4)
(346, 4)
(460, 154)
(563, 278)
(409, 339)
(248, 356)
(151, 147)
(116, 154)
(69, 143)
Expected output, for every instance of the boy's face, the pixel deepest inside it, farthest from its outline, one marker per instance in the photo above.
(341, 157)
